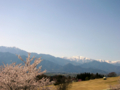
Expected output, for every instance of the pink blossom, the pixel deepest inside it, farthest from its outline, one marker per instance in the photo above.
(22, 77)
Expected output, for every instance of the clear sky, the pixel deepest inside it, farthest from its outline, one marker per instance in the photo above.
(89, 28)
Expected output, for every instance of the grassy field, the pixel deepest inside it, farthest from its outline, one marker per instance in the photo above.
(96, 84)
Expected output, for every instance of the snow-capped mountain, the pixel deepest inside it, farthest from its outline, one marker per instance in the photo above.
(108, 61)
(81, 59)
(77, 64)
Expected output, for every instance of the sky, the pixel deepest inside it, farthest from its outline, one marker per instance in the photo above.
(89, 28)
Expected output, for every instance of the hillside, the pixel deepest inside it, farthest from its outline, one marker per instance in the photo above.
(96, 84)
(8, 58)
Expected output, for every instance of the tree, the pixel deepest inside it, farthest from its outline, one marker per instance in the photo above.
(22, 77)
(62, 82)
(112, 74)
(64, 86)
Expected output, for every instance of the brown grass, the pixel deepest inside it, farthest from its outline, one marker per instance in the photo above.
(96, 84)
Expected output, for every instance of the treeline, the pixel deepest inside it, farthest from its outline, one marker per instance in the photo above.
(88, 76)
(62, 82)
(63, 79)
(59, 79)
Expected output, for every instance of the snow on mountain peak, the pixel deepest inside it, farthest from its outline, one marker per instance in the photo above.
(82, 59)
(79, 59)
(76, 58)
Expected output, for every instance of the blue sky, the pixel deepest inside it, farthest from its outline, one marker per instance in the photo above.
(89, 28)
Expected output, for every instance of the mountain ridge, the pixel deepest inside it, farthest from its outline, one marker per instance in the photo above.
(6, 58)
(81, 59)
(56, 64)
(78, 59)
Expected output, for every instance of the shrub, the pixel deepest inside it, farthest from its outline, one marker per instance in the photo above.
(62, 82)
(65, 85)
(89, 76)
(112, 74)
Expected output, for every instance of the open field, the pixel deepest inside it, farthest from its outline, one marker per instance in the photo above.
(96, 84)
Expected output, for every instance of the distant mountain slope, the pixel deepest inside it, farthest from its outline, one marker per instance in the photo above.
(8, 58)
(56, 64)
(75, 60)
(78, 69)
(49, 66)
(51, 58)
(102, 66)
(13, 50)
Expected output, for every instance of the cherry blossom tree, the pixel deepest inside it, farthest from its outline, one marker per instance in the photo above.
(22, 77)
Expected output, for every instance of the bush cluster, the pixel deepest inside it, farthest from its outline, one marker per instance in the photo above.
(88, 76)
(61, 82)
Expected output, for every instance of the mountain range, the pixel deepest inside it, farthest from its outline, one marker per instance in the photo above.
(57, 64)
(81, 60)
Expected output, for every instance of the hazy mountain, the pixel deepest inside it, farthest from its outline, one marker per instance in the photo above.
(48, 57)
(81, 60)
(117, 63)
(8, 58)
(56, 64)
(78, 69)
(13, 50)
(102, 66)
(75, 60)
(49, 66)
